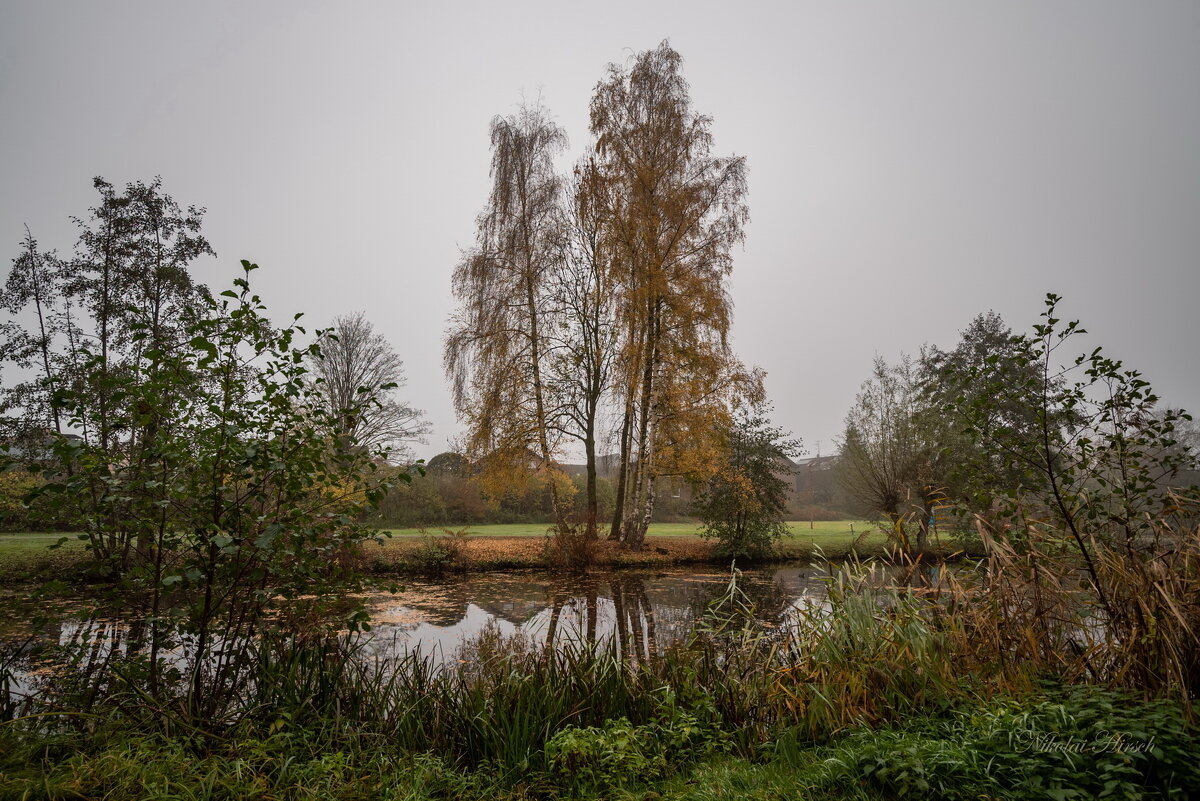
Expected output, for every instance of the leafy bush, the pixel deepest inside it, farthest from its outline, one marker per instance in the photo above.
(744, 503)
(602, 758)
(227, 507)
(617, 753)
(1075, 743)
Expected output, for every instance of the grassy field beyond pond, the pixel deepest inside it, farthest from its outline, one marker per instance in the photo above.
(37, 540)
(25, 555)
(522, 545)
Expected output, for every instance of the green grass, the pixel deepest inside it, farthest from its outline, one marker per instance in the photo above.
(835, 538)
(736, 779)
(37, 540)
(25, 556)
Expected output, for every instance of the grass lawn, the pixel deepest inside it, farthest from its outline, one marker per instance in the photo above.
(801, 533)
(25, 555)
(519, 544)
(37, 540)
(798, 528)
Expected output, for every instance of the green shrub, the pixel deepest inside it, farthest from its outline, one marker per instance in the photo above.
(1078, 743)
(744, 503)
(437, 555)
(599, 758)
(617, 754)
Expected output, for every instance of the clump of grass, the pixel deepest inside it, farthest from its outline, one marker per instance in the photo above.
(571, 547)
(282, 766)
(441, 554)
(868, 655)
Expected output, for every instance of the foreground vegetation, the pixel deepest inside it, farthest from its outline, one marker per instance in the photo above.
(878, 697)
(989, 750)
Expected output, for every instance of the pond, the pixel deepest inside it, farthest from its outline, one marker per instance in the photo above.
(638, 611)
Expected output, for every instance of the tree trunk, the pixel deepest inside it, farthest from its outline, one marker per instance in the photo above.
(589, 447)
(623, 475)
(535, 355)
(644, 487)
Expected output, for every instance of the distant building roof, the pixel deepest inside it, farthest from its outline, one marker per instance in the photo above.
(817, 462)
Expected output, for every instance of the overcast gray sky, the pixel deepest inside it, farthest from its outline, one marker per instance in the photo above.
(911, 164)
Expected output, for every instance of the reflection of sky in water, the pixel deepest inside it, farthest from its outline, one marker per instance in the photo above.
(430, 639)
(436, 616)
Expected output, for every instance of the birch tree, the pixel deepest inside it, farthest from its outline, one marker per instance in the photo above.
(584, 333)
(497, 349)
(674, 213)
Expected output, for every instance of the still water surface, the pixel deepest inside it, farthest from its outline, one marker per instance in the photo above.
(644, 609)
(639, 611)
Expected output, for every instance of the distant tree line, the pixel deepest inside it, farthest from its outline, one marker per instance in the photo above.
(454, 493)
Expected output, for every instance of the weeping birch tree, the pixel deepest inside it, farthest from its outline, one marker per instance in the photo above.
(497, 349)
(674, 211)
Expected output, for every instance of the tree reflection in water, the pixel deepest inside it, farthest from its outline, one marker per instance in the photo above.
(641, 611)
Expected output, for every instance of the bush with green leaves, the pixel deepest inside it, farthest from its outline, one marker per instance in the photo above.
(223, 502)
(744, 503)
(618, 754)
(603, 757)
(1084, 440)
(1072, 743)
